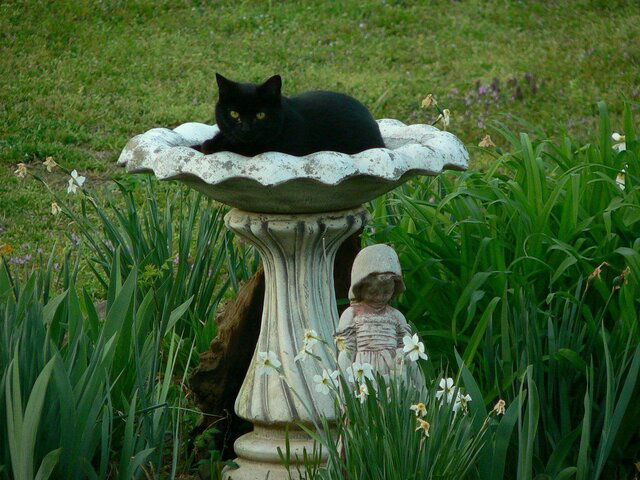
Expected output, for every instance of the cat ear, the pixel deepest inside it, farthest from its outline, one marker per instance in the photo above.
(272, 87)
(224, 84)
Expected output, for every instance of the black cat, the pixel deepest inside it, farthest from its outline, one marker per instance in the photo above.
(257, 118)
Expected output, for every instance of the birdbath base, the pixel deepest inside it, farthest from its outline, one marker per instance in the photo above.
(258, 454)
(298, 253)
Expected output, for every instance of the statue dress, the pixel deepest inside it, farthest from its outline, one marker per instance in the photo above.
(374, 335)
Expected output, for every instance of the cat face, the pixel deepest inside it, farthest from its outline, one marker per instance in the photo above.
(248, 113)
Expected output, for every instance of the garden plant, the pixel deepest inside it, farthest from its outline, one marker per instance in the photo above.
(522, 273)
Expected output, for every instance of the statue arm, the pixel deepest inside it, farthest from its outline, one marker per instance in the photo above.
(402, 328)
(346, 329)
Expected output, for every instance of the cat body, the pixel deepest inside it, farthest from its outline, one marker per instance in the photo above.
(257, 118)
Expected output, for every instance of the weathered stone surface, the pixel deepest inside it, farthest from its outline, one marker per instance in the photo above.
(222, 368)
(298, 253)
(275, 182)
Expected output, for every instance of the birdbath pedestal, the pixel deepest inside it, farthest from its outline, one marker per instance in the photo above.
(296, 211)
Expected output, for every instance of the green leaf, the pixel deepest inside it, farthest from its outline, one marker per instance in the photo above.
(177, 313)
(48, 464)
(22, 428)
(479, 331)
(573, 358)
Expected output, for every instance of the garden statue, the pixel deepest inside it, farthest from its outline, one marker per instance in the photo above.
(370, 330)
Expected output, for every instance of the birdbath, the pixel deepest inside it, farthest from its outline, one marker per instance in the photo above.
(296, 211)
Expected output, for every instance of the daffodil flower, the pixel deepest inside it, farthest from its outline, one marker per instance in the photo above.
(598, 271)
(462, 402)
(447, 388)
(499, 407)
(341, 343)
(21, 171)
(444, 117)
(362, 393)
(420, 409)
(620, 179)
(428, 101)
(486, 142)
(55, 208)
(326, 381)
(268, 363)
(50, 163)
(75, 181)
(414, 348)
(619, 147)
(310, 337)
(303, 354)
(424, 426)
(358, 372)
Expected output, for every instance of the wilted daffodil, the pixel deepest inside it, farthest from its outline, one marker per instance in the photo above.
(420, 409)
(424, 426)
(486, 142)
(50, 163)
(21, 171)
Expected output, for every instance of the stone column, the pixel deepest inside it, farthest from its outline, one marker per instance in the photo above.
(298, 251)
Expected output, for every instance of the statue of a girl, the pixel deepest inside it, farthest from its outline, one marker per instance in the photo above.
(372, 330)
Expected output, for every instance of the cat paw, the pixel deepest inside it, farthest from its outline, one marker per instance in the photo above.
(210, 146)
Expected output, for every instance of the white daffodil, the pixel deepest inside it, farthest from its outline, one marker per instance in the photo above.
(50, 163)
(462, 402)
(71, 186)
(55, 208)
(621, 179)
(341, 343)
(362, 393)
(499, 407)
(486, 142)
(448, 389)
(420, 409)
(21, 171)
(428, 101)
(310, 338)
(268, 363)
(424, 426)
(445, 118)
(303, 354)
(619, 147)
(414, 348)
(359, 371)
(75, 181)
(326, 381)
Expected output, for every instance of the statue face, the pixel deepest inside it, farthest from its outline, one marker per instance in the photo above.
(377, 290)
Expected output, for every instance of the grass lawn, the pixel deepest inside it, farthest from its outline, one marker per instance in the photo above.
(80, 78)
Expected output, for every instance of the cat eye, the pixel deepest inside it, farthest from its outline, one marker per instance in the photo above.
(234, 114)
(260, 115)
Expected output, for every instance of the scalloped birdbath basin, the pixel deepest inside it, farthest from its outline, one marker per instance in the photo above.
(275, 182)
(296, 211)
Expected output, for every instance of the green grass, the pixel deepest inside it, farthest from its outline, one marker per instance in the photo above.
(80, 78)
